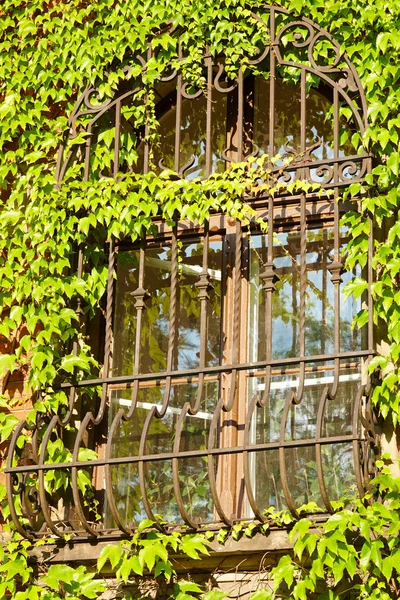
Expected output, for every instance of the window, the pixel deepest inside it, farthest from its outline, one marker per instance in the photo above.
(233, 380)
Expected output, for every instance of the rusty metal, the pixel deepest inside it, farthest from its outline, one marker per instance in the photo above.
(234, 439)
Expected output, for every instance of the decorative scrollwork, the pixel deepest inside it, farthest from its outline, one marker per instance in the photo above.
(217, 84)
(323, 174)
(188, 95)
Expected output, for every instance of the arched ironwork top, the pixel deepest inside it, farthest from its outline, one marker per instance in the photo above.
(291, 46)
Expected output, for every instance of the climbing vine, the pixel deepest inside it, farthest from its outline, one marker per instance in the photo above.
(51, 51)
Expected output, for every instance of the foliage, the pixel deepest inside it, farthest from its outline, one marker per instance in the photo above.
(49, 52)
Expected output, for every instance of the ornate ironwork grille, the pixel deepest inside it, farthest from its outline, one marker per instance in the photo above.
(232, 379)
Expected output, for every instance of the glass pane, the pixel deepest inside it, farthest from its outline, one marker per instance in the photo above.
(319, 125)
(124, 326)
(160, 438)
(193, 136)
(319, 297)
(189, 310)
(338, 470)
(154, 332)
(301, 424)
(287, 117)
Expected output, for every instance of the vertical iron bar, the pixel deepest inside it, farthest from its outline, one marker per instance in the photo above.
(139, 295)
(240, 116)
(154, 412)
(209, 100)
(88, 144)
(117, 138)
(203, 285)
(109, 331)
(318, 451)
(236, 314)
(178, 118)
(272, 76)
(146, 155)
(336, 267)
(303, 112)
(303, 290)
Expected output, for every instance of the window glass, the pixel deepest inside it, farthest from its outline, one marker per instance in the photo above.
(154, 334)
(318, 290)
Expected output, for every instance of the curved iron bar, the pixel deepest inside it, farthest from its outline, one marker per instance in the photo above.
(12, 477)
(248, 479)
(175, 467)
(318, 449)
(211, 465)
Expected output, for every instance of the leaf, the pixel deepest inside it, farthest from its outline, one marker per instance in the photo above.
(112, 553)
(147, 556)
(216, 594)
(7, 424)
(188, 586)
(393, 163)
(7, 363)
(283, 571)
(145, 524)
(262, 594)
(92, 589)
(194, 545)
(365, 556)
(69, 363)
(355, 288)
(58, 573)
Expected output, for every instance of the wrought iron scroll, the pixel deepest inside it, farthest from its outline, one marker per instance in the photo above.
(277, 26)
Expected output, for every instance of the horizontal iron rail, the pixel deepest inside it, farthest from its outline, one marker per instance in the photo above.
(187, 454)
(216, 369)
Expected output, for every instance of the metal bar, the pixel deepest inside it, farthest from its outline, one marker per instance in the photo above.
(139, 295)
(203, 285)
(175, 467)
(117, 137)
(303, 291)
(75, 347)
(109, 332)
(290, 401)
(240, 116)
(336, 266)
(209, 100)
(44, 503)
(88, 145)
(370, 278)
(178, 118)
(236, 315)
(74, 476)
(318, 449)
(217, 369)
(186, 454)
(272, 78)
(146, 155)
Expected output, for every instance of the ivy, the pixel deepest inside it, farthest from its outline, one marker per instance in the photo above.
(49, 52)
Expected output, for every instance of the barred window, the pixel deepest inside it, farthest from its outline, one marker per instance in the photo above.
(233, 380)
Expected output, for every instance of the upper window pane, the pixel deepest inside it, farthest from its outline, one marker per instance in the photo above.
(155, 318)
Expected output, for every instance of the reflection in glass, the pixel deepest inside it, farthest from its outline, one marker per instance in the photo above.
(268, 424)
(158, 475)
(319, 296)
(155, 327)
(301, 424)
(319, 130)
(192, 157)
